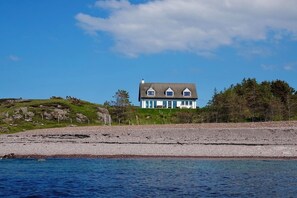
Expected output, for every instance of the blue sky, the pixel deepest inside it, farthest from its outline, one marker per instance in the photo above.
(89, 49)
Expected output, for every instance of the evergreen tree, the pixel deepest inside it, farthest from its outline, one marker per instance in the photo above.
(251, 101)
(119, 107)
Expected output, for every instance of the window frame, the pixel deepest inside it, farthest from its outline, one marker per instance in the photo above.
(169, 90)
(151, 90)
(187, 90)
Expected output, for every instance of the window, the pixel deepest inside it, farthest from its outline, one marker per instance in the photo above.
(150, 92)
(169, 92)
(174, 104)
(169, 104)
(150, 104)
(164, 104)
(186, 93)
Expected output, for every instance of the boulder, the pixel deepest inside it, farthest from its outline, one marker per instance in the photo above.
(28, 119)
(17, 116)
(103, 115)
(6, 115)
(4, 129)
(9, 156)
(47, 116)
(60, 114)
(8, 120)
(81, 118)
(24, 110)
(30, 114)
(102, 110)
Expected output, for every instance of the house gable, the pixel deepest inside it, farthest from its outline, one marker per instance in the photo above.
(169, 92)
(187, 92)
(150, 92)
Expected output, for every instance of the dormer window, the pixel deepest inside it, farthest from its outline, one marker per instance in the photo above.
(169, 92)
(151, 92)
(187, 93)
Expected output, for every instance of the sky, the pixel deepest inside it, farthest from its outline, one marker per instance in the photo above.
(90, 49)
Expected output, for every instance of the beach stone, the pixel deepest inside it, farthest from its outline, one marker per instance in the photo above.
(9, 156)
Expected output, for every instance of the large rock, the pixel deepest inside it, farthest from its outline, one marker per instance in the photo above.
(30, 114)
(103, 115)
(5, 114)
(4, 129)
(17, 116)
(47, 116)
(8, 120)
(81, 118)
(60, 114)
(24, 110)
(103, 110)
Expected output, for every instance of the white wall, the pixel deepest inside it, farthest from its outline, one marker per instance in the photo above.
(178, 104)
(159, 103)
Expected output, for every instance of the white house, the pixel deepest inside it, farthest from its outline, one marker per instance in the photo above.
(167, 95)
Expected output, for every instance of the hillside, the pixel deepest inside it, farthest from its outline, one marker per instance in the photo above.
(18, 114)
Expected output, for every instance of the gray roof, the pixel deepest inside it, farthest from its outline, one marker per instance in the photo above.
(160, 89)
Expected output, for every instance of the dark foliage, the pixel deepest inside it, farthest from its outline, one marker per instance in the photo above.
(253, 101)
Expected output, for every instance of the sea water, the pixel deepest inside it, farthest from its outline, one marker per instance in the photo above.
(147, 178)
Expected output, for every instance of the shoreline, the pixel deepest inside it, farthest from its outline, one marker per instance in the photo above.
(269, 140)
(118, 157)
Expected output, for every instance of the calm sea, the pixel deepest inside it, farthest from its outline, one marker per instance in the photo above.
(148, 178)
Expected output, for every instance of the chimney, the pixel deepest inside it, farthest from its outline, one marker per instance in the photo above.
(142, 81)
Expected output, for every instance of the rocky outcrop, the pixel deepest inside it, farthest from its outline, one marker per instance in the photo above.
(103, 115)
(4, 129)
(20, 113)
(9, 156)
(56, 114)
(81, 118)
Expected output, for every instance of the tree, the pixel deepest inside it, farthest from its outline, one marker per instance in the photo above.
(121, 99)
(119, 106)
(253, 101)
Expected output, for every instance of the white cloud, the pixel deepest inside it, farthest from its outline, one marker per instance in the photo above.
(289, 66)
(268, 67)
(254, 51)
(14, 58)
(113, 4)
(198, 26)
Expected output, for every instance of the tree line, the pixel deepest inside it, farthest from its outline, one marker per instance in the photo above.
(253, 101)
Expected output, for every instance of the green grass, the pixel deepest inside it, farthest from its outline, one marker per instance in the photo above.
(39, 106)
(157, 116)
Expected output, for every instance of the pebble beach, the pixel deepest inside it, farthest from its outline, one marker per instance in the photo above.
(218, 140)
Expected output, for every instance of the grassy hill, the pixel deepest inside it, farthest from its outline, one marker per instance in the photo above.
(18, 115)
(138, 116)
